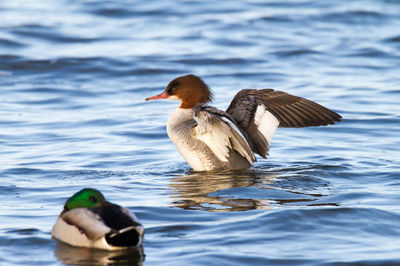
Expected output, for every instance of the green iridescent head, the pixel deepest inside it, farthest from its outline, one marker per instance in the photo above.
(86, 198)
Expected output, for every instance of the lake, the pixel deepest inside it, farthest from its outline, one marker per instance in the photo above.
(73, 79)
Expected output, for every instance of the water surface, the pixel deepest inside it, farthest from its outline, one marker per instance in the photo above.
(73, 78)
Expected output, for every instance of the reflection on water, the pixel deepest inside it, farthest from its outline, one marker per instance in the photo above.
(73, 78)
(200, 190)
(250, 189)
(67, 254)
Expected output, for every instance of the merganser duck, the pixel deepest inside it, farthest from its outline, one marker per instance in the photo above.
(211, 139)
(88, 220)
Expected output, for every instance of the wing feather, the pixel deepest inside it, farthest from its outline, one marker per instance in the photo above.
(220, 133)
(289, 110)
(87, 222)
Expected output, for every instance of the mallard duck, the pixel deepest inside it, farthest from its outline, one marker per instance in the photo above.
(88, 220)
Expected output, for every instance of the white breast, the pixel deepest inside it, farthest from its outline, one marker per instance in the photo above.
(180, 135)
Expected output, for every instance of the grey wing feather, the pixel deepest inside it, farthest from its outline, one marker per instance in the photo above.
(87, 222)
(211, 120)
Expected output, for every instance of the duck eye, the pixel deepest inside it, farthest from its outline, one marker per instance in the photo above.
(92, 199)
(172, 87)
(171, 91)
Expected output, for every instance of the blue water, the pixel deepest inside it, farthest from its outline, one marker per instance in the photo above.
(73, 78)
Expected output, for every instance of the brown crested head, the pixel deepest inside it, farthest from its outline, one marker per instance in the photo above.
(190, 89)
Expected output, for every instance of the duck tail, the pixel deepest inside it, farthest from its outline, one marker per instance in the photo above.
(130, 236)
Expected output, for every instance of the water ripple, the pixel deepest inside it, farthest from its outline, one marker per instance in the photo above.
(73, 78)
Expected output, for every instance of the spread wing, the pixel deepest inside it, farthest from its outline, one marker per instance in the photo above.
(260, 112)
(87, 222)
(220, 133)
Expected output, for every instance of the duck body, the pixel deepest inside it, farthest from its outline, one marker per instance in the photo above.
(89, 221)
(204, 151)
(212, 139)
